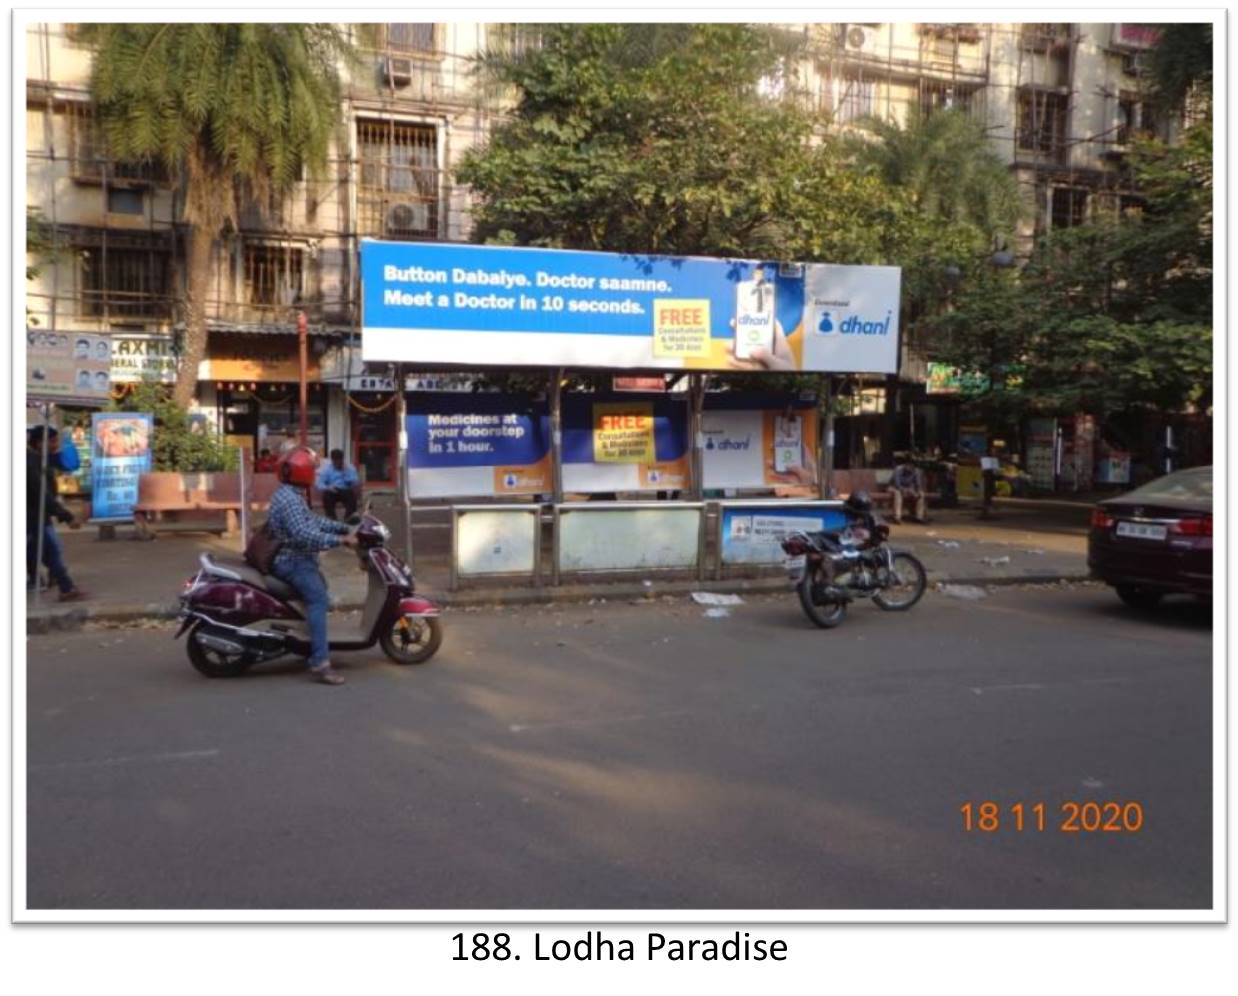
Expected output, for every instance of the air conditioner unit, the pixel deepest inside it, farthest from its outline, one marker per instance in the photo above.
(408, 217)
(397, 72)
(860, 38)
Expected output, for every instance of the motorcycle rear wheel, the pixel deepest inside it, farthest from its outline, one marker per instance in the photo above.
(827, 615)
(912, 581)
(214, 663)
(412, 641)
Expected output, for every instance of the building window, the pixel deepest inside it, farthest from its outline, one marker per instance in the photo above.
(858, 100)
(409, 39)
(398, 193)
(938, 96)
(126, 200)
(1128, 118)
(1043, 37)
(273, 275)
(1068, 207)
(1041, 124)
(88, 160)
(125, 282)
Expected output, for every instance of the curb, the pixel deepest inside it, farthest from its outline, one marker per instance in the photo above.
(74, 619)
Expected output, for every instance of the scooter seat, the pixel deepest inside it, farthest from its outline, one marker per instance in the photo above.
(267, 582)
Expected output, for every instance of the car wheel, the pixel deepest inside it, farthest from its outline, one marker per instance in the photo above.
(1139, 598)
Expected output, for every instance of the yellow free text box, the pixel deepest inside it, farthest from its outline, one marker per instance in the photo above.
(680, 327)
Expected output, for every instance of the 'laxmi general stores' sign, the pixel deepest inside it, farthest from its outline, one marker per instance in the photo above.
(138, 358)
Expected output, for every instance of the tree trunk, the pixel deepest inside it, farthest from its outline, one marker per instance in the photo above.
(201, 240)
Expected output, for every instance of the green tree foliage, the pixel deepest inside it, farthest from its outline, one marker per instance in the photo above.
(235, 110)
(1106, 317)
(946, 164)
(669, 139)
(1182, 64)
(178, 443)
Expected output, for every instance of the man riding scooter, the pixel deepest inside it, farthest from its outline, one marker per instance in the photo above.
(303, 535)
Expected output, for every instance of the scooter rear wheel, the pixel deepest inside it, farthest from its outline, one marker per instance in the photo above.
(214, 663)
(412, 641)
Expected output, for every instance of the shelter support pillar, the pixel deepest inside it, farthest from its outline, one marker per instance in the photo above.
(556, 432)
(825, 469)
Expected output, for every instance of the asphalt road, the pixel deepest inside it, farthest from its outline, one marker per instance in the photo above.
(637, 756)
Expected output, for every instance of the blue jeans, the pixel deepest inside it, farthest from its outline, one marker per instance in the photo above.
(53, 558)
(312, 586)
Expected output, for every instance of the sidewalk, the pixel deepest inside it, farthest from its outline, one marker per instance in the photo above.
(131, 579)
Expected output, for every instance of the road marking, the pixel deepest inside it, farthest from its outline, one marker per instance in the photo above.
(1033, 686)
(106, 762)
(599, 721)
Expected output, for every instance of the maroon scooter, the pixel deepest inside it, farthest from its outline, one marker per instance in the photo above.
(237, 617)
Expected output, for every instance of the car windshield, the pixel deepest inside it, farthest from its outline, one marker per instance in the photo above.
(1185, 485)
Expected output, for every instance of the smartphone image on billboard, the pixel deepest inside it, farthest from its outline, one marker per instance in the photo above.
(754, 315)
(788, 444)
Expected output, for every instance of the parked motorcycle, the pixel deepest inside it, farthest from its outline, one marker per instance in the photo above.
(237, 617)
(832, 569)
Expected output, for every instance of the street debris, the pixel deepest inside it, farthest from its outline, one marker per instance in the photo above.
(995, 561)
(1038, 553)
(711, 598)
(718, 612)
(949, 544)
(967, 592)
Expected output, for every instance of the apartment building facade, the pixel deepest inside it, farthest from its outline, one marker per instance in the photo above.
(1060, 102)
(116, 263)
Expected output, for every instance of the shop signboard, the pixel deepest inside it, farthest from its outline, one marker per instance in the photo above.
(766, 447)
(140, 358)
(508, 306)
(68, 367)
(120, 455)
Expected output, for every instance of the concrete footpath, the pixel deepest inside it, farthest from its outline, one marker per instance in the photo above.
(129, 580)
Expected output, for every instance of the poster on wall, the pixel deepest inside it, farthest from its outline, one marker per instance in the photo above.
(767, 447)
(1041, 455)
(120, 455)
(477, 445)
(753, 535)
(625, 444)
(516, 306)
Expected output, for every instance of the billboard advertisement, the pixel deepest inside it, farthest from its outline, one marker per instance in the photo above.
(499, 444)
(625, 444)
(507, 306)
(120, 445)
(478, 444)
(753, 534)
(71, 367)
(758, 447)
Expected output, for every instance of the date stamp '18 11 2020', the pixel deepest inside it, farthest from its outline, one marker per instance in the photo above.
(1068, 817)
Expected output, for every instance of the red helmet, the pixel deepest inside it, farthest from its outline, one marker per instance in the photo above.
(297, 467)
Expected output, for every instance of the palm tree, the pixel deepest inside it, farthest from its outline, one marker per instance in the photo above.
(233, 110)
(945, 162)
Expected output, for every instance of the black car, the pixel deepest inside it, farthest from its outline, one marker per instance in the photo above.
(1156, 539)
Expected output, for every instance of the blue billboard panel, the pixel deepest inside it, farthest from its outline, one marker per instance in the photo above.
(508, 306)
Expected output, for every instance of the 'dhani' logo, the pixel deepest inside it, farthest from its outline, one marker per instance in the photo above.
(855, 325)
(825, 326)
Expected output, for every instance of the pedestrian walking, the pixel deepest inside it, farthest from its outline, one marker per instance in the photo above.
(53, 508)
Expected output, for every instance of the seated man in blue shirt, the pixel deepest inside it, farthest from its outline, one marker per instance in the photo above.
(339, 483)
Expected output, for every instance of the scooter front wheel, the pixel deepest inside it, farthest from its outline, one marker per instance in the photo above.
(412, 641)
